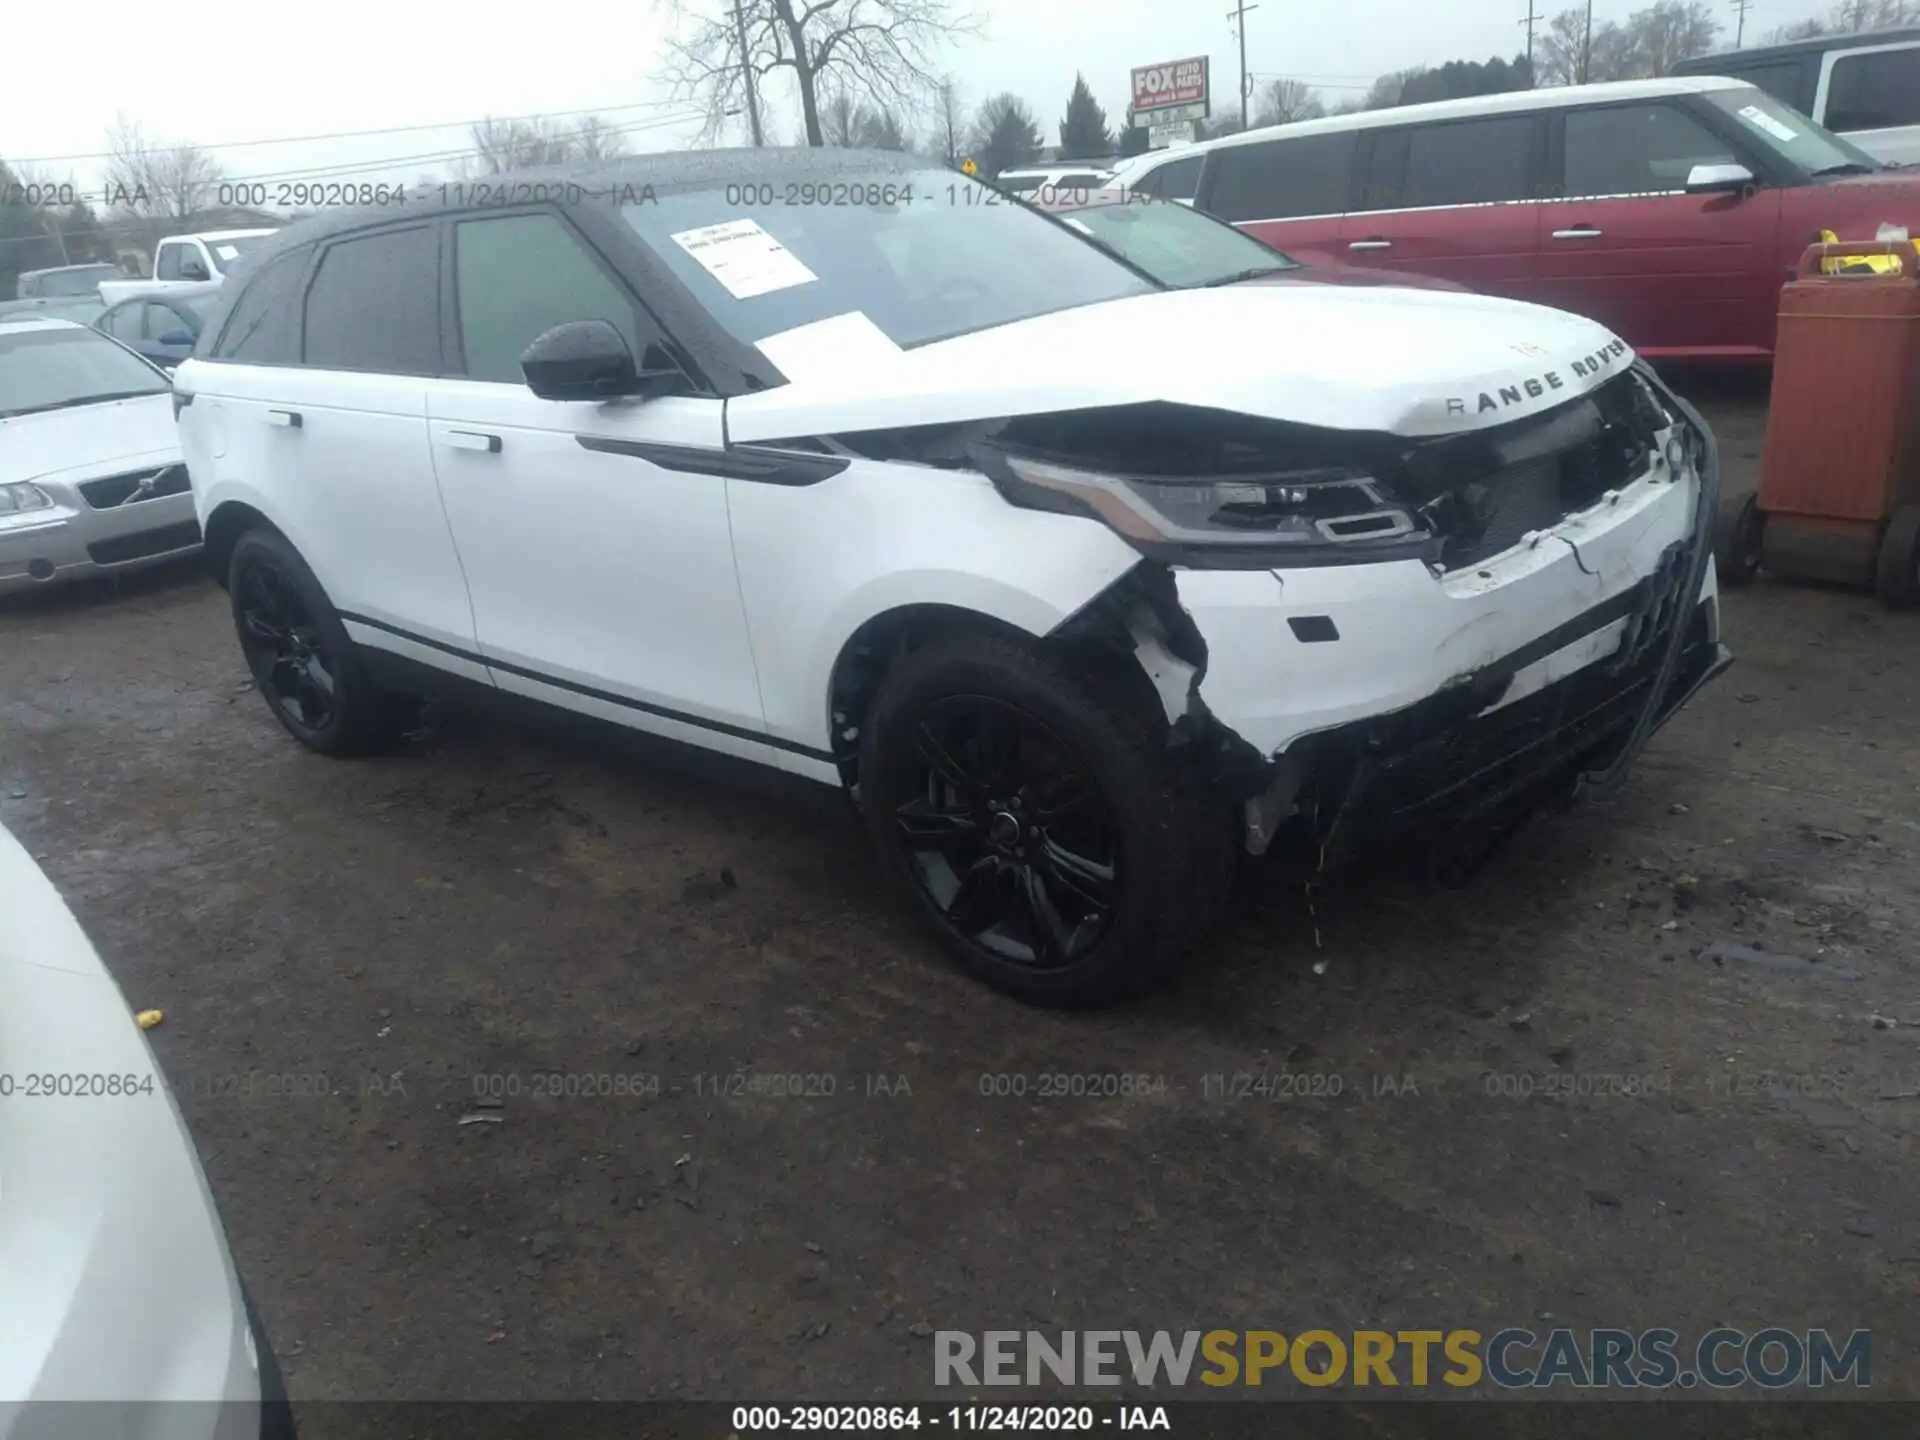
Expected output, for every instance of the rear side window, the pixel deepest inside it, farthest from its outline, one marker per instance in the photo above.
(264, 328)
(517, 276)
(168, 263)
(1635, 150)
(1875, 91)
(1466, 162)
(1175, 180)
(374, 304)
(1282, 179)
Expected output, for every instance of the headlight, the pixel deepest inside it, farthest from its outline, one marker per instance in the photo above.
(20, 497)
(1261, 519)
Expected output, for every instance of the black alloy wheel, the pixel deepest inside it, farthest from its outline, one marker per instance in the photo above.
(302, 660)
(1007, 833)
(285, 650)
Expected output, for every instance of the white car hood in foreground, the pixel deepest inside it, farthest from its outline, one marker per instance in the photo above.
(117, 1284)
(89, 439)
(1403, 361)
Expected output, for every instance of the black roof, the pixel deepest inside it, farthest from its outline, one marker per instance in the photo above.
(1705, 64)
(666, 172)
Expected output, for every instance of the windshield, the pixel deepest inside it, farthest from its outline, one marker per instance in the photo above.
(1791, 135)
(924, 255)
(51, 369)
(81, 280)
(229, 248)
(1179, 247)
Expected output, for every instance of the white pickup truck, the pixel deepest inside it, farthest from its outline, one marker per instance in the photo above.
(187, 263)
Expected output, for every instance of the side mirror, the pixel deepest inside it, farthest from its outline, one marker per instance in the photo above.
(580, 360)
(589, 360)
(192, 270)
(1718, 179)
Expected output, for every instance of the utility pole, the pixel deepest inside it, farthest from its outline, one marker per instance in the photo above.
(746, 73)
(1586, 46)
(1532, 16)
(1740, 31)
(1239, 16)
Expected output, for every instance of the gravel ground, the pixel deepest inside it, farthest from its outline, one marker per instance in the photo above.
(492, 910)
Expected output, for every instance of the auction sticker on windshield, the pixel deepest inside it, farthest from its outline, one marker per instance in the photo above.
(744, 258)
(1760, 120)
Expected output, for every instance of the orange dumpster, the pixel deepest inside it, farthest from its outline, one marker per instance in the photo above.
(1839, 495)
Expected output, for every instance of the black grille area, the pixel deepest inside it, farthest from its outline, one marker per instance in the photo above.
(1484, 493)
(148, 542)
(135, 487)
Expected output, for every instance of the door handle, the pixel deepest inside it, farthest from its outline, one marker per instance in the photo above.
(1376, 243)
(1577, 232)
(473, 440)
(286, 419)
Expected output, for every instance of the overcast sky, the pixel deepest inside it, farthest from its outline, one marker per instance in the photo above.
(356, 65)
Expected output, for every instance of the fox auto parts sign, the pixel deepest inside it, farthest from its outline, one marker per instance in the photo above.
(1175, 89)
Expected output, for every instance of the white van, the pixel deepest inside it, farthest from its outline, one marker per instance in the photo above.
(1865, 87)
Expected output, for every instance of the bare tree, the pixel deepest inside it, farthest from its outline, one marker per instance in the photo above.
(1666, 33)
(1385, 92)
(880, 51)
(154, 180)
(515, 144)
(1283, 101)
(949, 118)
(1557, 53)
(594, 139)
(840, 120)
(1649, 42)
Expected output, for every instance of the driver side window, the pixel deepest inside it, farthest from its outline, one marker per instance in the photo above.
(166, 265)
(518, 276)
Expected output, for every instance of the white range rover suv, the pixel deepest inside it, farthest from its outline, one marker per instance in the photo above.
(853, 467)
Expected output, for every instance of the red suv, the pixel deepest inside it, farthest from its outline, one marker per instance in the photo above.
(1669, 210)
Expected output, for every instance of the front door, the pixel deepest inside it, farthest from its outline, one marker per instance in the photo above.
(594, 536)
(1670, 273)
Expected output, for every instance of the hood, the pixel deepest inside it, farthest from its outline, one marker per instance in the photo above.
(1406, 362)
(71, 444)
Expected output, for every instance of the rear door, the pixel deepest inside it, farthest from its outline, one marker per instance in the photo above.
(1872, 96)
(1290, 192)
(1670, 273)
(1454, 199)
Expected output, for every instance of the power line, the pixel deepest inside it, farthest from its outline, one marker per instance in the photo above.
(363, 134)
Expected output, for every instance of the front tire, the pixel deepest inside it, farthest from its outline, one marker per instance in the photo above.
(302, 661)
(1038, 819)
(1896, 578)
(1736, 544)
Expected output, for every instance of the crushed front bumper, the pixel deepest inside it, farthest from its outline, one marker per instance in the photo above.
(1386, 702)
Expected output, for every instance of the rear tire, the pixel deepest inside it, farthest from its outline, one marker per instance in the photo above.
(1736, 541)
(1039, 822)
(1896, 577)
(303, 663)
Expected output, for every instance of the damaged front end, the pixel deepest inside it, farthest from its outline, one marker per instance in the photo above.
(1485, 745)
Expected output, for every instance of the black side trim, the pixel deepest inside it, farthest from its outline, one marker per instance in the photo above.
(770, 467)
(739, 732)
